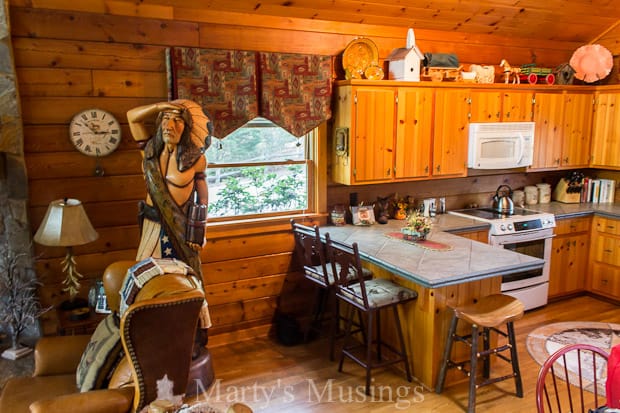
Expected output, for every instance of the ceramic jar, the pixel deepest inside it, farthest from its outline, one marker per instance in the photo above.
(544, 193)
(531, 195)
(518, 198)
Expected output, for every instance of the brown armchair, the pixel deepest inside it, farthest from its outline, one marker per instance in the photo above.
(157, 333)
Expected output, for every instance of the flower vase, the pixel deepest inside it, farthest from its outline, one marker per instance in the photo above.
(411, 234)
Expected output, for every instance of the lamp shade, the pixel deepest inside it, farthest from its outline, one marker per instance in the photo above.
(65, 224)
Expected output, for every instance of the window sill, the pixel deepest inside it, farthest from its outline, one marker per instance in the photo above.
(260, 225)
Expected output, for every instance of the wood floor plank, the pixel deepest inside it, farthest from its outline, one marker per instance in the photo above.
(274, 378)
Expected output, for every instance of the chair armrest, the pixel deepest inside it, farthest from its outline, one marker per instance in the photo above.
(58, 355)
(96, 401)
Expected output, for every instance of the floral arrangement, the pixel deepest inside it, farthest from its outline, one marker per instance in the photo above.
(417, 226)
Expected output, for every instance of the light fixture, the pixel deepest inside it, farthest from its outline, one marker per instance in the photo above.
(66, 225)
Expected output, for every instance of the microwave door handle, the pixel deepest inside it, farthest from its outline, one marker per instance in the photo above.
(521, 145)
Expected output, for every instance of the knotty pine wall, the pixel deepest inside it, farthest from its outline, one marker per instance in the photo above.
(100, 55)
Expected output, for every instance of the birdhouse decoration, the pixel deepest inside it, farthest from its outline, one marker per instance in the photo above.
(405, 63)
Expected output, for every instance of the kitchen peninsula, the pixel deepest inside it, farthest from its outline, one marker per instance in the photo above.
(464, 273)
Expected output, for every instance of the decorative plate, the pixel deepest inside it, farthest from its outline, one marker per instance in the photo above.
(359, 54)
(591, 62)
(374, 72)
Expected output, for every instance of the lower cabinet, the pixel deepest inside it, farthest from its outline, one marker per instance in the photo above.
(605, 257)
(569, 256)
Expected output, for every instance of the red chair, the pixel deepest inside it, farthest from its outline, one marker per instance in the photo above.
(582, 391)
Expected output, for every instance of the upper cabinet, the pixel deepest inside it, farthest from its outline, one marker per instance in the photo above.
(563, 130)
(451, 128)
(606, 131)
(501, 106)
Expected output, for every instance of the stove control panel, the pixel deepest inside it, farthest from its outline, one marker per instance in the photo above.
(515, 225)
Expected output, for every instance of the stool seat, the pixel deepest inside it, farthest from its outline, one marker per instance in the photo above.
(484, 316)
(491, 311)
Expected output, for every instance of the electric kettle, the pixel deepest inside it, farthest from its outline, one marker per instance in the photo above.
(503, 203)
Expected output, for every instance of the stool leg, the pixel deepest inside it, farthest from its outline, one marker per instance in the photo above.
(446, 355)
(471, 406)
(335, 327)
(514, 359)
(369, 351)
(378, 334)
(347, 336)
(486, 344)
(403, 349)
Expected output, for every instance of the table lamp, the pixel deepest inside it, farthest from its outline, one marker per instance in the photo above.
(66, 225)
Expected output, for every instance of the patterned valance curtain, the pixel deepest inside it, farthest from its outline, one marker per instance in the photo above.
(291, 90)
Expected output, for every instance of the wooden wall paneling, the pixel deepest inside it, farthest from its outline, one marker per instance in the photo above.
(101, 214)
(246, 246)
(243, 268)
(240, 290)
(55, 138)
(41, 23)
(54, 82)
(36, 110)
(53, 53)
(95, 189)
(74, 164)
(126, 83)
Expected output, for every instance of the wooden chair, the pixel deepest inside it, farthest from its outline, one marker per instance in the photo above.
(488, 313)
(369, 296)
(311, 253)
(581, 363)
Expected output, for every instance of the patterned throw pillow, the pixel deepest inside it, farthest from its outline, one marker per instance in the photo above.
(100, 356)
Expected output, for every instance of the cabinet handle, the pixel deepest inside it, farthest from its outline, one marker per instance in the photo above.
(438, 168)
(611, 227)
(508, 114)
(426, 169)
(566, 160)
(557, 161)
(387, 173)
(608, 251)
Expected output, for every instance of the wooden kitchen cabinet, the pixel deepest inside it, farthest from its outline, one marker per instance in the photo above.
(548, 116)
(501, 106)
(606, 131)
(451, 131)
(568, 268)
(413, 133)
(605, 257)
(577, 130)
(366, 153)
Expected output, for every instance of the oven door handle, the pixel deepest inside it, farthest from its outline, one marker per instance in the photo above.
(522, 237)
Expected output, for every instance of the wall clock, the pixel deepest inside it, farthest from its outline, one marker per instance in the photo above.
(95, 132)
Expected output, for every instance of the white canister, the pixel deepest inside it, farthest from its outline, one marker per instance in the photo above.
(544, 193)
(531, 195)
(518, 198)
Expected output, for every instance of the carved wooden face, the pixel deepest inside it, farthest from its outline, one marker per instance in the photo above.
(172, 126)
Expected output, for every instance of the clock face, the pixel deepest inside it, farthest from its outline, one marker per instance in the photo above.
(95, 132)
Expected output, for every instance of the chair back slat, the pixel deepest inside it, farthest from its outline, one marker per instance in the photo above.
(347, 267)
(557, 392)
(310, 250)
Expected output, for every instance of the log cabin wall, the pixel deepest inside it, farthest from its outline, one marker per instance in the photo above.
(71, 56)
(611, 40)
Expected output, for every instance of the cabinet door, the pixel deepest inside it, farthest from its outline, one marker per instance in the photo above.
(373, 134)
(486, 106)
(577, 130)
(606, 131)
(413, 133)
(451, 131)
(517, 106)
(569, 264)
(548, 115)
(606, 280)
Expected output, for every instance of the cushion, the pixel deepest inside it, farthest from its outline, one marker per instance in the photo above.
(380, 292)
(100, 356)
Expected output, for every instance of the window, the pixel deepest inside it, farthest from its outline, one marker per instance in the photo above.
(259, 170)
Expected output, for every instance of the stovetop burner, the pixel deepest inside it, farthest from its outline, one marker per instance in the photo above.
(520, 220)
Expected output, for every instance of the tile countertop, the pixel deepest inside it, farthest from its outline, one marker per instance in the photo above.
(468, 260)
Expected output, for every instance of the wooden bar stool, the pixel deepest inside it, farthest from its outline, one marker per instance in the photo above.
(488, 313)
(311, 253)
(369, 297)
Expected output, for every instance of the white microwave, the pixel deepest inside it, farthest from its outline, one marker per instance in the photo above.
(500, 145)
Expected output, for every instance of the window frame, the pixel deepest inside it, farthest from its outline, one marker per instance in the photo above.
(316, 161)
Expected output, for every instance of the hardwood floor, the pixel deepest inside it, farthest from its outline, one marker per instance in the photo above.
(273, 378)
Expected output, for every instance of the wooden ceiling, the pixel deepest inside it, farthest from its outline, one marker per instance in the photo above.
(581, 21)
